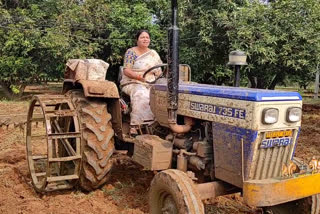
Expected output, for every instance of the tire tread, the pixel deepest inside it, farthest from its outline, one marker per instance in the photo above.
(97, 142)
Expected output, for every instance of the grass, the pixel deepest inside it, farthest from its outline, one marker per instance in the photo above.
(308, 100)
(307, 94)
(50, 87)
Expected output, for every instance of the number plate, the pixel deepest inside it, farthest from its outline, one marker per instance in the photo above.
(269, 143)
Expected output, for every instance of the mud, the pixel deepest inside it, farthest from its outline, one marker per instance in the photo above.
(127, 190)
(309, 139)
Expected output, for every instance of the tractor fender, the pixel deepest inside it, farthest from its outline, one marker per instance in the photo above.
(100, 89)
(103, 89)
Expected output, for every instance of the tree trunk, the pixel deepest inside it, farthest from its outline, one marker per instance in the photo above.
(253, 81)
(261, 83)
(278, 78)
(21, 90)
(305, 87)
(316, 84)
(8, 92)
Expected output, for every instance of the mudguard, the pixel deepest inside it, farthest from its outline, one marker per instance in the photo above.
(104, 89)
(100, 89)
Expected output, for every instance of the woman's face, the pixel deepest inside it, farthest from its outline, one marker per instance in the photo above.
(143, 40)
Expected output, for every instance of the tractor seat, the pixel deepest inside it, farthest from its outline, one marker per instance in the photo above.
(124, 98)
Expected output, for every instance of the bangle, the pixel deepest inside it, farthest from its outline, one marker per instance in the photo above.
(139, 77)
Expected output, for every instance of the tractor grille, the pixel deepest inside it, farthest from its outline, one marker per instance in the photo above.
(268, 162)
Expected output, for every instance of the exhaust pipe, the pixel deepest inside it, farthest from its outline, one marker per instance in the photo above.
(173, 75)
(180, 129)
(173, 65)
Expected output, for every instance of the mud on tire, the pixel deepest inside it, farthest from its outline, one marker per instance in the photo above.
(97, 140)
(172, 191)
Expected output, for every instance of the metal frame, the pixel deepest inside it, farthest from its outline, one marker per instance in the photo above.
(54, 109)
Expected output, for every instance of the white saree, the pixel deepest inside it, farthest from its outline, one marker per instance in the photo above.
(138, 91)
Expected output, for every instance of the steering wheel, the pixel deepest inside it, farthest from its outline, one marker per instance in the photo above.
(155, 67)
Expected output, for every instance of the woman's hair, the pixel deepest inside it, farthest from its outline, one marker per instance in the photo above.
(140, 32)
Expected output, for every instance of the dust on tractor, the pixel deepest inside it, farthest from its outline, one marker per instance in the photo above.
(206, 141)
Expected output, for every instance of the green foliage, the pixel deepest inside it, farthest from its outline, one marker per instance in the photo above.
(281, 38)
(38, 37)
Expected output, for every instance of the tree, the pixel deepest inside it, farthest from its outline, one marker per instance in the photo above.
(316, 83)
(17, 42)
(38, 37)
(204, 44)
(280, 37)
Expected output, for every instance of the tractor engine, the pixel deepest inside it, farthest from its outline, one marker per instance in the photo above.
(251, 132)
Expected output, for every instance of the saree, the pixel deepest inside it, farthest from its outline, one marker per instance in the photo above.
(138, 91)
(140, 64)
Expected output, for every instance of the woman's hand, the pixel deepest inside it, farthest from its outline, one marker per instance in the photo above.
(134, 75)
(157, 72)
(140, 77)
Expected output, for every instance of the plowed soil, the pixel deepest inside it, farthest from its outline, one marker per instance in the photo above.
(127, 190)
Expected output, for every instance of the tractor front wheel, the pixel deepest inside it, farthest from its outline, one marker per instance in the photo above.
(172, 192)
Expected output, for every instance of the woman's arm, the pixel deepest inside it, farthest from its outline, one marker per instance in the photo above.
(129, 60)
(133, 75)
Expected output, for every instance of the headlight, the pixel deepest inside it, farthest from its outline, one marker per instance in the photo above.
(270, 115)
(294, 114)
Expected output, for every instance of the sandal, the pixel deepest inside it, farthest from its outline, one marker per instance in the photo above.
(133, 131)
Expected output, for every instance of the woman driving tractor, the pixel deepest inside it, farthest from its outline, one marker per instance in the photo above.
(137, 61)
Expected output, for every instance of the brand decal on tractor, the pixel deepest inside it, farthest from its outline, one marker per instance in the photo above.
(279, 134)
(219, 110)
(268, 143)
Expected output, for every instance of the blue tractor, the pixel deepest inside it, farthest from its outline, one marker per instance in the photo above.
(207, 140)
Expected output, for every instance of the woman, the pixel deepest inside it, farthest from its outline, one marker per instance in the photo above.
(137, 60)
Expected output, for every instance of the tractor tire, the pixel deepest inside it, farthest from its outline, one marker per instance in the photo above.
(309, 205)
(172, 192)
(97, 140)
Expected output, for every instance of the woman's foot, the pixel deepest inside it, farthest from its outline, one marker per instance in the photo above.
(133, 131)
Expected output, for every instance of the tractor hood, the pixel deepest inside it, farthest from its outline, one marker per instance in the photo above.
(257, 95)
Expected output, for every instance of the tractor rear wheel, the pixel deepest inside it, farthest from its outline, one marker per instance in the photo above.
(172, 192)
(309, 205)
(97, 140)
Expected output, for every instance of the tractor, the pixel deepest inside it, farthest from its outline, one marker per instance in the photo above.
(206, 141)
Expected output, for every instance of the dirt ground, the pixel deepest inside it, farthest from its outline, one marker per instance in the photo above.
(127, 190)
